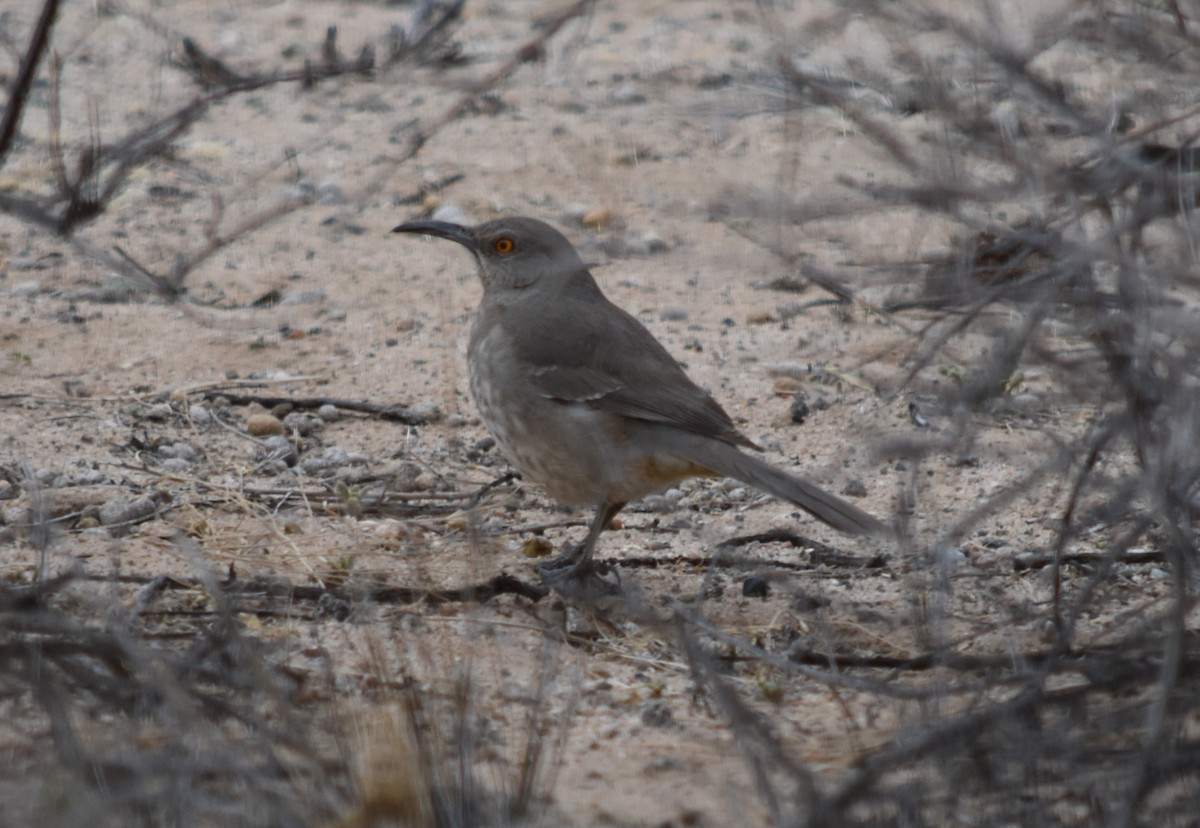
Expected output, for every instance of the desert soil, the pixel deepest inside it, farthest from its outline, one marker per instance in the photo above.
(659, 138)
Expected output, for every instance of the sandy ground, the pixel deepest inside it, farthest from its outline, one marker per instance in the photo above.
(666, 128)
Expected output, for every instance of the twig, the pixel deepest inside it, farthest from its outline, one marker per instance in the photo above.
(18, 95)
(392, 413)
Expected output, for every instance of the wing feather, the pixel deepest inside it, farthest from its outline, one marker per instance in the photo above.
(599, 355)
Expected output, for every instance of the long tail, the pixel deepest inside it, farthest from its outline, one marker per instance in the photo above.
(728, 461)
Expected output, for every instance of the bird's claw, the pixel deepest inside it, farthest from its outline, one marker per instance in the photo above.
(579, 576)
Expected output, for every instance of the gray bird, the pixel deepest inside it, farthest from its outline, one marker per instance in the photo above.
(584, 401)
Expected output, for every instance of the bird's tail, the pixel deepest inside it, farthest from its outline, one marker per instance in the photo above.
(727, 461)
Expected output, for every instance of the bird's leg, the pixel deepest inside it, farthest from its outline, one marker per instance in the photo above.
(578, 561)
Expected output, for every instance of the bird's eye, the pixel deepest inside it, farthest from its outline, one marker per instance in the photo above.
(503, 245)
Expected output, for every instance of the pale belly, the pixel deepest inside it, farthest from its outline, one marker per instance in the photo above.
(579, 454)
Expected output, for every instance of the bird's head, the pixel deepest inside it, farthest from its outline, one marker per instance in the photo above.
(512, 253)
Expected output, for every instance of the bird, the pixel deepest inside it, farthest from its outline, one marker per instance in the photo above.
(584, 401)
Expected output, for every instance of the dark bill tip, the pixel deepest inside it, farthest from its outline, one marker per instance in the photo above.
(440, 229)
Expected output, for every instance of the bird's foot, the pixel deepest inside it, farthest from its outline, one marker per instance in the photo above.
(578, 576)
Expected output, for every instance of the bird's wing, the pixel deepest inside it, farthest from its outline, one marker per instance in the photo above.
(601, 356)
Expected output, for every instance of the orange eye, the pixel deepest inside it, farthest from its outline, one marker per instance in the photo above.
(504, 245)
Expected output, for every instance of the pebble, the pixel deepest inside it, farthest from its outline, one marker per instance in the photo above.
(786, 386)
(279, 447)
(91, 477)
(598, 217)
(262, 425)
(673, 313)
(644, 245)
(755, 586)
(303, 423)
(335, 314)
(656, 713)
(302, 297)
(26, 289)
(537, 547)
(175, 465)
(953, 557)
(426, 412)
(331, 459)
(200, 415)
(426, 481)
(182, 451)
(854, 488)
(452, 213)
(664, 502)
(795, 370)
(627, 94)
(769, 442)
(654, 243)
(127, 511)
(330, 194)
(806, 602)
(799, 410)
(329, 413)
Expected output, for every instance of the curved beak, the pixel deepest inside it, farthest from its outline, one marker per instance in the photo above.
(442, 230)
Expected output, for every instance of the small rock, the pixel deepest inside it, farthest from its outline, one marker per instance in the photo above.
(663, 764)
(799, 410)
(786, 386)
(332, 459)
(673, 313)
(302, 297)
(262, 425)
(425, 481)
(714, 586)
(329, 413)
(330, 194)
(182, 450)
(336, 314)
(452, 213)
(303, 423)
(627, 94)
(598, 217)
(953, 557)
(854, 488)
(426, 413)
(654, 243)
(769, 442)
(656, 713)
(127, 512)
(26, 289)
(795, 370)
(280, 448)
(755, 586)
(760, 317)
(537, 547)
(91, 477)
(805, 602)
(664, 502)
(175, 465)
(200, 415)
